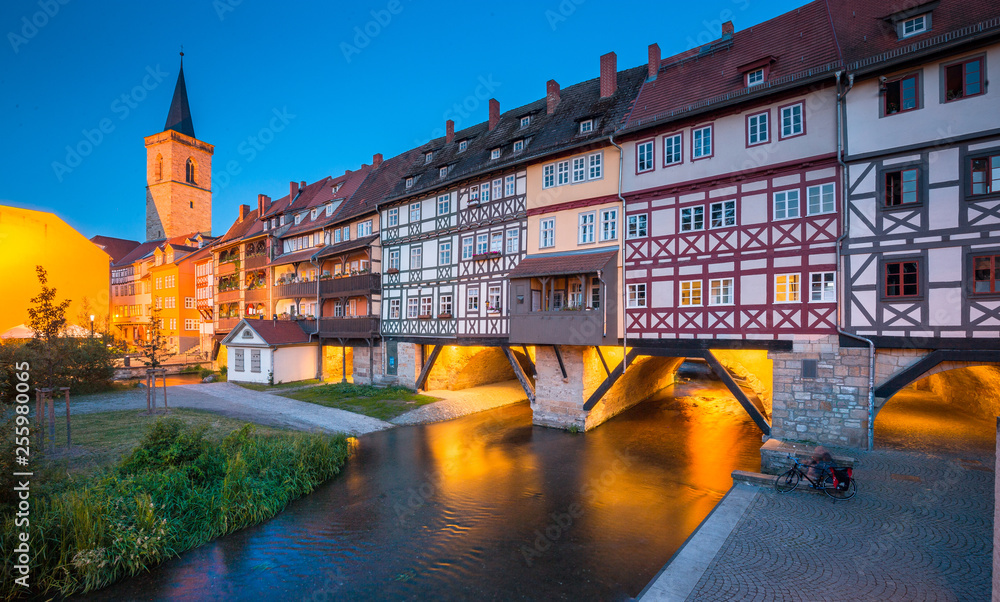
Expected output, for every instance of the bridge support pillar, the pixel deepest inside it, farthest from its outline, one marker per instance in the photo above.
(820, 393)
(563, 402)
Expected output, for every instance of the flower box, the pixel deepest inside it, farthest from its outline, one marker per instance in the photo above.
(487, 255)
(392, 271)
(424, 316)
(444, 316)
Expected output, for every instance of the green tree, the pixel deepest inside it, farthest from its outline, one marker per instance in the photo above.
(156, 347)
(47, 319)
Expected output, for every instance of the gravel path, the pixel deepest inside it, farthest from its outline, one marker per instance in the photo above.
(244, 404)
(454, 404)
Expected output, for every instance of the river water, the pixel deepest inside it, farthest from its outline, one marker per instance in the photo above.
(487, 507)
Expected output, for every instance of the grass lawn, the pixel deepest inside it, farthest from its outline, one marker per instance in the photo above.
(279, 386)
(102, 439)
(377, 402)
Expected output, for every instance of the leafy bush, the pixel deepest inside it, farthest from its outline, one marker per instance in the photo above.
(85, 365)
(174, 492)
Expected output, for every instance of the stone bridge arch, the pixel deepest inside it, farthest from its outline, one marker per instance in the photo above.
(459, 367)
(898, 368)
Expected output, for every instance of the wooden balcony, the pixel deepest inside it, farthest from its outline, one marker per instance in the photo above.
(295, 290)
(348, 328)
(350, 286)
(585, 327)
(256, 295)
(228, 267)
(255, 262)
(227, 324)
(227, 296)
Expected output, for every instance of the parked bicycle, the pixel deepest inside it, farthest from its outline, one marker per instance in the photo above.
(838, 482)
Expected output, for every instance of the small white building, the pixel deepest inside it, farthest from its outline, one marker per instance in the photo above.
(278, 351)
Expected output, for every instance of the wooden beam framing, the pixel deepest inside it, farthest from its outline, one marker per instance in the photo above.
(738, 393)
(531, 364)
(562, 366)
(929, 361)
(610, 381)
(428, 364)
(519, 373)
(603, 361)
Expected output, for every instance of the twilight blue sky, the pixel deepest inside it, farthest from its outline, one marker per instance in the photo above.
(344, 96)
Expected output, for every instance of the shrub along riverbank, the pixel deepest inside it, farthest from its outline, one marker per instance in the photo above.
(177, 490)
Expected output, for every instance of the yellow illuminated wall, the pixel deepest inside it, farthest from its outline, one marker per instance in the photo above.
(77, 268)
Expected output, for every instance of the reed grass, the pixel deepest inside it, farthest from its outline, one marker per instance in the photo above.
(177, 490)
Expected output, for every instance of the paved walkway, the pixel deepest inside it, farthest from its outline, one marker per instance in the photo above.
(244, 404)
(466, 401)
(920, 528)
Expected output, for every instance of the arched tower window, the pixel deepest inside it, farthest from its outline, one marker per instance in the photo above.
(158, 168)
(190, 172)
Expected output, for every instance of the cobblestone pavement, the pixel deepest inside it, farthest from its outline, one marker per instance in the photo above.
(466, 401)
(920, 528)
(236, 402)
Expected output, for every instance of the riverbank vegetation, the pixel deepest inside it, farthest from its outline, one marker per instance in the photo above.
(383, 403)
(123, 502)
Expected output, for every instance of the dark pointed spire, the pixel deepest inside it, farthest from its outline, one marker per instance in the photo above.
(179, 117)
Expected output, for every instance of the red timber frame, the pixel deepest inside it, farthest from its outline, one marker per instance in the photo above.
(752, 254)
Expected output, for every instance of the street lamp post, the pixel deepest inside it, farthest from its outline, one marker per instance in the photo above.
(91, 325)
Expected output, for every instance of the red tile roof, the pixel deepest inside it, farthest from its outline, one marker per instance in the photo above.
(279, 332)
(559, 264)
(117, 248)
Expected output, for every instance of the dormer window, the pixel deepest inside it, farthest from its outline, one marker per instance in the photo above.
(428, 157)
(586, 126)
(462, 145)
(518, 146)
(525, 121)
(912, 27)
(298, 219)
(443, 172)
(312, 214)
(495, 153)
(755, 77)
(409, 182)
(329, 209)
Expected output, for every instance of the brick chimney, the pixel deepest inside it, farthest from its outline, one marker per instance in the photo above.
(551, 96)
(262, 202)
(376, 160)
(654, 61)
(302, 185)
(494, 113)
(727, 29)
(449, 131)
(293, 189)
(609, 74)
(244, 210)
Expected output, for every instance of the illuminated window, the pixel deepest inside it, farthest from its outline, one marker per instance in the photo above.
(786, 288)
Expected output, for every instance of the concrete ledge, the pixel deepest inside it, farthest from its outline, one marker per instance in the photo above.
(678, 578)
(774, 454)
(767, 480)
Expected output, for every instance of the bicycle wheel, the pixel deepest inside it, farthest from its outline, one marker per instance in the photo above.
(840, 492)
(788, 481)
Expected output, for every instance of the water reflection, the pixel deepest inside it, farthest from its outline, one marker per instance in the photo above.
(487, 506)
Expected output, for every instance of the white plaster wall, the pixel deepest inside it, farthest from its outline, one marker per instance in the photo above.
(247, 376)
(292, 363)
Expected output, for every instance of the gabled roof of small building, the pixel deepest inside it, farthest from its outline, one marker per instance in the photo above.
(143, 250)
(560, 264)
(117, 248)
(274, 332)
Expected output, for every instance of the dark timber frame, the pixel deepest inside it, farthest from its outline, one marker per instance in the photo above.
(929, 361)
(678, 352)
(428, 364)
(559, 358)
(519, 373)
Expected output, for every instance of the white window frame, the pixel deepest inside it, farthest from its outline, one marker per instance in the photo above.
(637, 296)
(595, 166)
(609, 224)
(827, 282)
(365, 228)
(426, 305)
(721, 291)
(444, 204)
(444, 252)
(795, 120)
(788, 288)
(562, 173)
(547, 233)
(525, 121)
(394, 307)
(914, 28)
(673, 149)
(445, 304)
(758, 130)
(412, 307)
(443, 172)
(416, 257)
(549, 175)
(467, 246)
(513, 241)
(474, 193)
(482, 244)
(586, 126)
(755, 77)
(415, 211)
(700, 149)
(463, 145)
(495, 154)
(786, 210)
(392, 216)
(728, 221)
(409, 182)
(496, 242)
(645, 156)
(509, 186)
(484, 192)
(428, 157)
(579, 169)
(497, 189)
(691, 290)
(518, 145)
(690, 218)
(827, 198)
(394, 259)
(188, 302)
(586, 232)
(638, 226)
(472, 299)
(494, 293)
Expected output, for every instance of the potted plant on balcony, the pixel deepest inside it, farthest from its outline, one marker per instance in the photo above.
(444, 316)
(493, 308)
(486, 255)
(392, 271)
(424, 316)
(325, 275)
